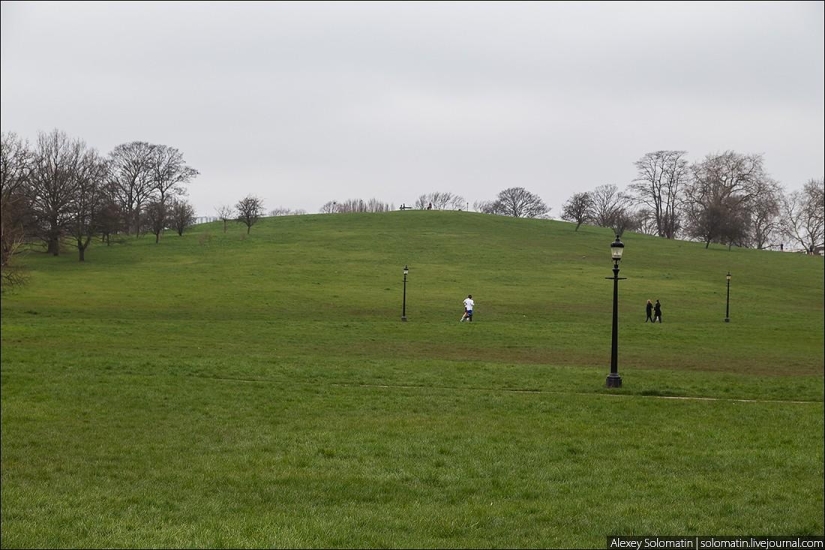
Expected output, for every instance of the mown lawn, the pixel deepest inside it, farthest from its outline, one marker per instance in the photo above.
(223, 390)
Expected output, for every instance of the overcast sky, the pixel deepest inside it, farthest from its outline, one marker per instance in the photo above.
(307, 102)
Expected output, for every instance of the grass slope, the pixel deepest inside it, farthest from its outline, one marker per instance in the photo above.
(219, 389)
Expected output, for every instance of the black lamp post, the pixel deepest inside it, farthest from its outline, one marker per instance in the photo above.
(613, 379)
(727, 301)
(404, 303)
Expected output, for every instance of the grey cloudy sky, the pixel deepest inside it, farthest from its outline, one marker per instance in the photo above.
(303, 103)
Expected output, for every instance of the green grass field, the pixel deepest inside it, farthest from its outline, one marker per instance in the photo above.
(232, 390)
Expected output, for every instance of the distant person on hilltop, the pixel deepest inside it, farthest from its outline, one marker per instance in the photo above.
(649, 311)
(468, 309)
(657, 312)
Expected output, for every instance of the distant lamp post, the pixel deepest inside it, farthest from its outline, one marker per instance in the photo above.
(613, 379)
(727, 301)
(404, 303)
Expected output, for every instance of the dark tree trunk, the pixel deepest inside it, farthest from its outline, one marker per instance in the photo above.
(82, 245)
(54, 246)
(54, 237)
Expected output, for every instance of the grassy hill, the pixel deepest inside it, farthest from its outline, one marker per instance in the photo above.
(225, 389)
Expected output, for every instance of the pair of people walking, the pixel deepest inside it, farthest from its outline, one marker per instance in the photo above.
(654, 312)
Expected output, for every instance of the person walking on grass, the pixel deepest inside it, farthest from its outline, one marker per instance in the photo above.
(657, 312)
(649, 311)
(468, 309)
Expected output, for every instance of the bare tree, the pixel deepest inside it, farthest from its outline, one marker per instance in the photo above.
(520, 203)
(358, 205)
(15, 165)
(15, 211)
(131, 177)
(183, 215)
(623, 221)
(764, 213)
(608, 205)
(658, 186)
(110, 220)
(718, 198)
(707, 224)
(250, 209)
(578, 208)
(10, 274)
(283, 211)
(803, 215)
(330, 207)
(374, 205)
(352, 205)
(156, 217)
(645, 222)
(736, 227)
(53, 184)
(485, 207)
(440, 200)
(90, 177)
(169, 172)
(225, 213)
(458, 203)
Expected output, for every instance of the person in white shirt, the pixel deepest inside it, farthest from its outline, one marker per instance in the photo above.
(468, 309)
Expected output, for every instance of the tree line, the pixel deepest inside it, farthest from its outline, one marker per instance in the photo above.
(60, 190)
(514, 201)
(725, 198)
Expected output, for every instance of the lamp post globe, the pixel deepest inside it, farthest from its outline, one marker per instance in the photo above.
(613, 379)
(616, 249)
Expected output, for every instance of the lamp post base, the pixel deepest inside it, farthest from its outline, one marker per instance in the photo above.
(403, 318)
(614, 381)
(727, 320)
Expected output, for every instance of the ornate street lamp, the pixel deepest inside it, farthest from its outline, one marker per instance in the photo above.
(727, 301)
(404, 303)
(613, 379)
